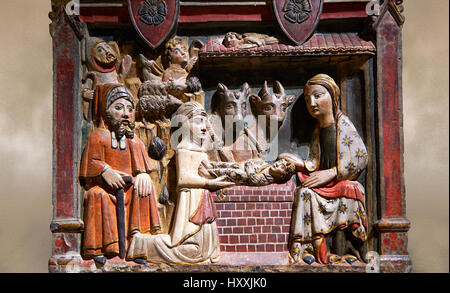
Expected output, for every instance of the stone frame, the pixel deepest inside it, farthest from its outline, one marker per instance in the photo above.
(391, 224)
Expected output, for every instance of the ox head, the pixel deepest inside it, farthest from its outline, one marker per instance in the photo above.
(268, 104)
(225, 102)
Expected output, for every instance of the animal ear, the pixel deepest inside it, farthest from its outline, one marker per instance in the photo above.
(290, 100)
(255, 100)
(222, 87)
(245, 89)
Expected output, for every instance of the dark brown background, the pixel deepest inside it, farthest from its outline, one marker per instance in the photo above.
(26, 134)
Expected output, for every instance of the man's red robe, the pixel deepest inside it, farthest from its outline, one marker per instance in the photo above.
(100, 219)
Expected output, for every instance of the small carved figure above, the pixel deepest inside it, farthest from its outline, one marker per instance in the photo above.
(103, 67)
(172, 71)
(103, 59)
(247, 40)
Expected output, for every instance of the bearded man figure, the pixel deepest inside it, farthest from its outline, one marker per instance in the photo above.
(111, 153)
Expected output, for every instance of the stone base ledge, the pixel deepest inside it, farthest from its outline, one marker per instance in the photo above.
(229, 263)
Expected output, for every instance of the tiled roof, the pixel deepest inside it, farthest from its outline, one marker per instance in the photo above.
(320, 44)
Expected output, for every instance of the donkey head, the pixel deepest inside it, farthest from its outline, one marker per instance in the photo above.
(268, 104)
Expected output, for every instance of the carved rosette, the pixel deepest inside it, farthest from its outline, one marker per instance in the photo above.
(154, 20)
(153, 12)
(298, 18)
(297, 11)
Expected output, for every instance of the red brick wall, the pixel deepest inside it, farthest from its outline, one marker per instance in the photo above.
(255, 219)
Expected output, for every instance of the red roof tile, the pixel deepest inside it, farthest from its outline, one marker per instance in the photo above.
(319, 44)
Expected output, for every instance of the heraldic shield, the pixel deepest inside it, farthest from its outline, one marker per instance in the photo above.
(298, 18)
(154, 19)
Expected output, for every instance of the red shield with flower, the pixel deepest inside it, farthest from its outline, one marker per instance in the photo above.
(298, 18)
(154, 20)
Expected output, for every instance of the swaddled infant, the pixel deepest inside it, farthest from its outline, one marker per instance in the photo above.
(254, 172)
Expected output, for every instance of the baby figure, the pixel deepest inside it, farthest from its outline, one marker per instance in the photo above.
(254, 172)
(247, 40)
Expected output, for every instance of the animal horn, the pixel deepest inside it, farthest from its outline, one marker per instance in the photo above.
(264, 91)
(245, 87)
(278, 88)
(222, 87)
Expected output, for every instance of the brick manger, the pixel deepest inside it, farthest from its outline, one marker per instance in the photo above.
(254, 220)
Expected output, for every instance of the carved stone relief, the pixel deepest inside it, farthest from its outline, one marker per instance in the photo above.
(155, 164)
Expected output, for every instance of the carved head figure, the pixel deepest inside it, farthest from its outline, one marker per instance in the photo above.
(189, 110)
(225, 102)
(194, 118)
(268, 104)
(100, 55)
(322, 96)
(119, 112)
(282, 170)
(177, 53)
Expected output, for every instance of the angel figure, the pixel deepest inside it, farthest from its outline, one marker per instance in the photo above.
(172, 71)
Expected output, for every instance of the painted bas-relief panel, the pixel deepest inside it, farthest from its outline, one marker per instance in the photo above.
(198, 139)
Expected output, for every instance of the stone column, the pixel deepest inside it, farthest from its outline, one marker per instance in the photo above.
(392, 224)
(66, 225)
